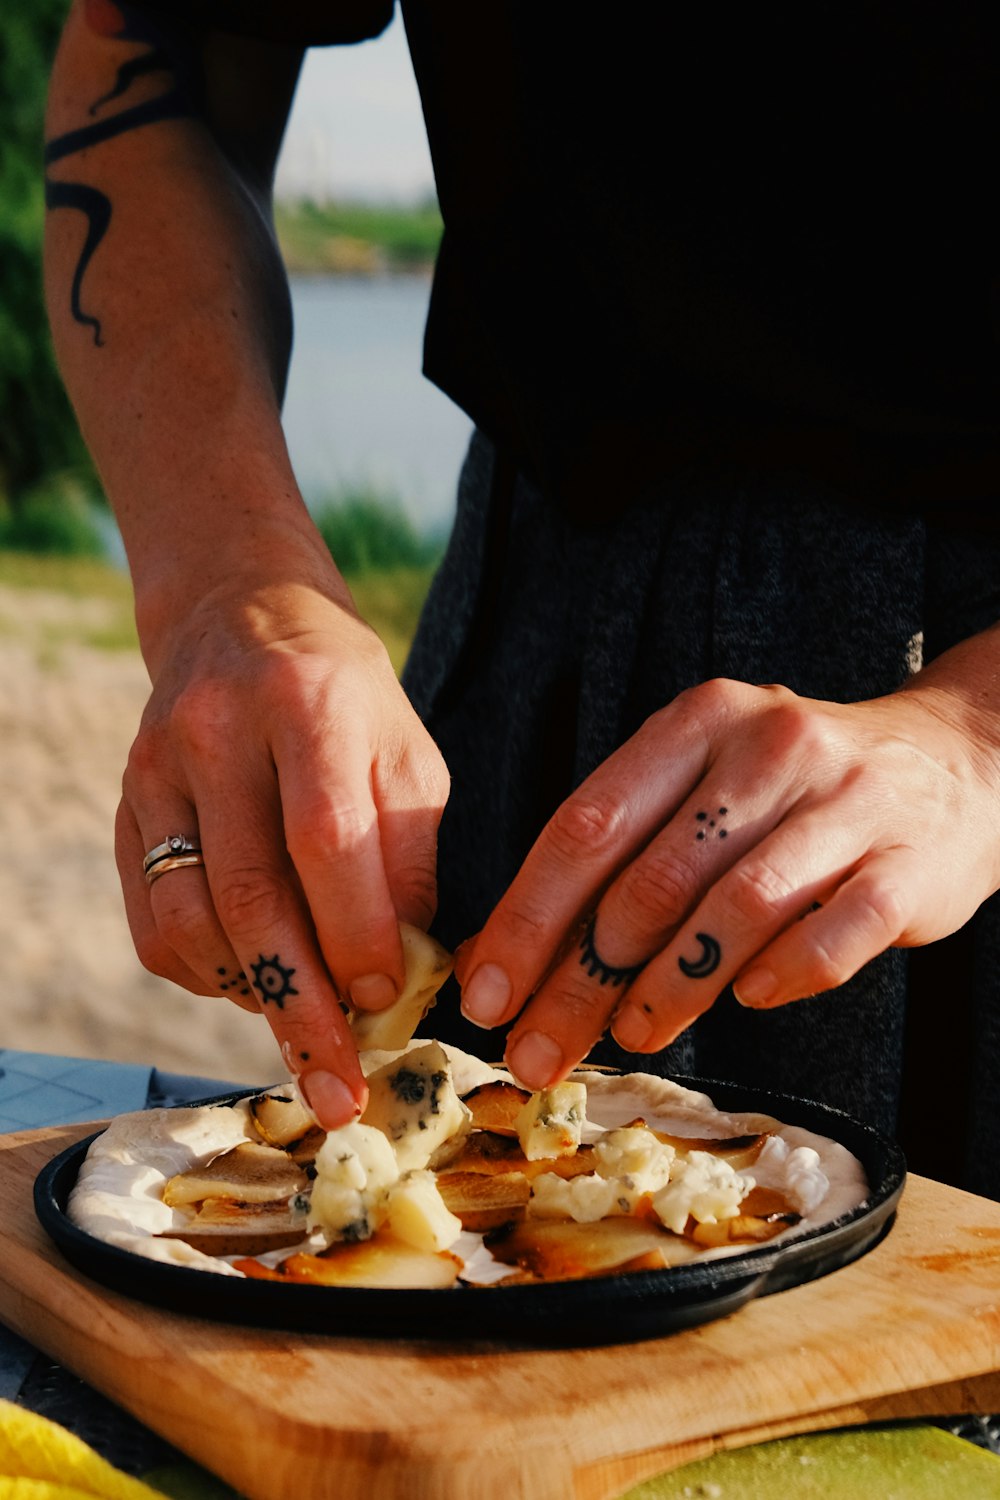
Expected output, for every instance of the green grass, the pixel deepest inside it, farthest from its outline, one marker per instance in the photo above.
(387, 563)
(77, 577)
(57, 516)
(391, 603)
(358, 237)
(370, 532)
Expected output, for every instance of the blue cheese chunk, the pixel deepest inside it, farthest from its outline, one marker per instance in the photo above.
(355, 1169)
(552, 1121)
(412, 1100)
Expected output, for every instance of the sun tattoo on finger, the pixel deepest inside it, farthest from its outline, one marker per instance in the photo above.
(273, 980)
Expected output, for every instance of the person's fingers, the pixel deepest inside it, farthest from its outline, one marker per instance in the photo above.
(647, 903)
(864, 916)
(154, 950)
(588, 840)
(411, 789)
(803, 861)
(181, 903)
(561, 1023)
(332, 832)
(637, 915)
(259, 902)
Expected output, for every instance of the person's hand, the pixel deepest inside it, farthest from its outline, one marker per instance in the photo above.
(278, 738)
(743, 836)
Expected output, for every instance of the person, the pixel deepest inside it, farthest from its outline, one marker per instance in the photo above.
(711, 662)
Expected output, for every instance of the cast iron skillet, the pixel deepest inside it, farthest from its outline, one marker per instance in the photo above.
(600, 1310)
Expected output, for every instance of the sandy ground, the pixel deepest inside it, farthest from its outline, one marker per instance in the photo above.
(69, 978)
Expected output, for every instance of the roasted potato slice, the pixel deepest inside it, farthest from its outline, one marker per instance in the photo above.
(222, 1227)
(488, 1153)
(561, 1250)
(743, 1229)
(247, 1174)
(485, 1200)
(495, 1107)
(379, 1262)
(768, 1203)
(738, 1150)
(283, 1120)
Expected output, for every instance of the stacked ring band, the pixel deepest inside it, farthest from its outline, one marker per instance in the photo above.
(174, 853)
(173, 862)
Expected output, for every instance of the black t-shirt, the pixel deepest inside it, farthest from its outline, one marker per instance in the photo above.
(756, 232)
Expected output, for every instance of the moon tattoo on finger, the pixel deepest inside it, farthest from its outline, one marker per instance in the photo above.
(707, 961)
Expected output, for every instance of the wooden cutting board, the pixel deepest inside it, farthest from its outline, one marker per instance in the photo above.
(912, 1329)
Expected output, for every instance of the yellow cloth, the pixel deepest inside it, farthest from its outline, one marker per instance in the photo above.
(41, 1461)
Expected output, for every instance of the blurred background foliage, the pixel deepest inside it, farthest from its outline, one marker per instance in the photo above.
(46, 479)
(55, 529)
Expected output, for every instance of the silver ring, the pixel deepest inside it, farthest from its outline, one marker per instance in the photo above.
(173, 862)
(174, 843)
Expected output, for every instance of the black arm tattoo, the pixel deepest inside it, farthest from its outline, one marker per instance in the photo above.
(176, 102)
(97, 208)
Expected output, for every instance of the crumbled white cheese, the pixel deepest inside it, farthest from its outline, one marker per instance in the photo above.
(635, 1158)
(702, 1187)
(552, 1121)
(586, 1198)
(355, 1168)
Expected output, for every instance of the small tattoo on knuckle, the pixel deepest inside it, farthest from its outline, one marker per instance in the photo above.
(272, 980)
(596, 966)
(709, 824)
(707, 961)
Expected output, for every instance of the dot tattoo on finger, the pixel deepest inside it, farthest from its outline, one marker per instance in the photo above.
(707, 825)
(273, 980)
(707, 961)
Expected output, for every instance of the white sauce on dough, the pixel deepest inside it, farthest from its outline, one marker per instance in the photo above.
(117, 1197)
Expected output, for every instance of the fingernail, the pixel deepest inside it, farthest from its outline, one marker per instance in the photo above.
(755, 987)
(487, 995)
(330, 1099)
(373, 992)
(632, 1028)
(461, 956)
(535, 1059)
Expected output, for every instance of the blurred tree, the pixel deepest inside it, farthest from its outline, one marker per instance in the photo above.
(38, 433)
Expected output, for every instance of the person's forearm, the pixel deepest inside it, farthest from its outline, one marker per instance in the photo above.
(174, 339)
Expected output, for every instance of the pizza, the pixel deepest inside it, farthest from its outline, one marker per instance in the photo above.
(455, 1175)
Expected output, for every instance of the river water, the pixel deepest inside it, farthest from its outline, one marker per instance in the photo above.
(358, 412)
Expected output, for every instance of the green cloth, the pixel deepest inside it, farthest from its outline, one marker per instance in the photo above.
(865, 1463)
